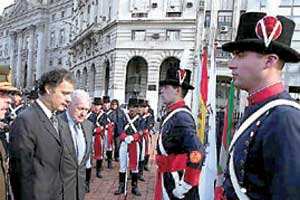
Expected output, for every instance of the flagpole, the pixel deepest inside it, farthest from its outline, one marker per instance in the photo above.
(199, 44)
(209, 171)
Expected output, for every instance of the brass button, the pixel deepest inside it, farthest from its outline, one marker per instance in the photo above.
(257, 123)
(247, 143)
(243, 190)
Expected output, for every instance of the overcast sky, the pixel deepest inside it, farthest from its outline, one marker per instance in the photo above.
(5, 3)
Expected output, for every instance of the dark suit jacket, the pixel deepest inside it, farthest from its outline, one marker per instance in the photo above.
(74, 173)
(36, 157)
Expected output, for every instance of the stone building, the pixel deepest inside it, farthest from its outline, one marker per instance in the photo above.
(123, 48)
(33, 38)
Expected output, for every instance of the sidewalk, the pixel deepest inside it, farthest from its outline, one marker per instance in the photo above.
(104, 188)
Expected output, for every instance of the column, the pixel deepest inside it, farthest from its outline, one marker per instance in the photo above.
(40, 51)
(12, 40)
(19, 59)
(30, 58)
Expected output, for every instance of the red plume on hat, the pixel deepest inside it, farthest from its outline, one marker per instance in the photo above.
(268, 28)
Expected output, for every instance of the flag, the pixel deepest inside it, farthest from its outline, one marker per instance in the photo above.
(202, 110)
(226, 139)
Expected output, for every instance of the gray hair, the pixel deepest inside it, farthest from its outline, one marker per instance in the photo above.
(80, 95)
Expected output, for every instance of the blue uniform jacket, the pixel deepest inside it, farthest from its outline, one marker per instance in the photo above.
(266, 156)
(179, 136)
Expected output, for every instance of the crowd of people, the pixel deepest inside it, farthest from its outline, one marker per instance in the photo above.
(49, 143)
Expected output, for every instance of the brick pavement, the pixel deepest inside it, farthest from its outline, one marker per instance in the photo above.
(104, 188)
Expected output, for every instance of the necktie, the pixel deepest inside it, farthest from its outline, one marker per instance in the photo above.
(79, 142)
(54, 121)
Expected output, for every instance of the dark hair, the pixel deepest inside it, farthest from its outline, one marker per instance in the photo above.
(184, 91)
(115, 101)
(53, 78)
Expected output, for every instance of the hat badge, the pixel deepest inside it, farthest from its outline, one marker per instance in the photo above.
(181, 75)
(268, 28)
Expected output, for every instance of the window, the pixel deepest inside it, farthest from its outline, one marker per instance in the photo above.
(109, 13)
(89, 9)
(50, 63)
(107, 39)
(207, 19)
(139, 15)
(174, 6)
(173, 14)
(62, 14)
(173, 35)
(52, 39)
(286, 2)
(53, 17)
(62, 36)
(6, 50)
(139, 35)
(59, 61)
(297, 2)
(224, 18)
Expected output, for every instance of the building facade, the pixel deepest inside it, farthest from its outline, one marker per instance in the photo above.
(123, 48)
(33, 38)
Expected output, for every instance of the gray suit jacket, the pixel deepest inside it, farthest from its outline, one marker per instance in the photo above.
(74, 173)
(36, 157)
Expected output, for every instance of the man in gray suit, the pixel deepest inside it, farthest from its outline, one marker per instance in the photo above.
(36, 146)
(76, 134)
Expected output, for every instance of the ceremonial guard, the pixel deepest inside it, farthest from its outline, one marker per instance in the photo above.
(142, 141)
(98, 117)
(148, 131)
(179, 152)
(109, 129)
(117, 115)
(129, 149)
(264, 152)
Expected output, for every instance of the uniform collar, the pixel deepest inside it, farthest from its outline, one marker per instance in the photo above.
(265, 93)
(177, 104)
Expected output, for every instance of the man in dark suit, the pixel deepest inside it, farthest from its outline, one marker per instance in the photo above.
(36, 146)
(76, 132)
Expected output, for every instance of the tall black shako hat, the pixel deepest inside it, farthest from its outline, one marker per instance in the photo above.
(133, 102)
(97, 101)
(178, 77)
(265, 34)
(106, 99)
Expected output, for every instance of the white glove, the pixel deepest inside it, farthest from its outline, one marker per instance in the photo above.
(181, 189)
(129, 139)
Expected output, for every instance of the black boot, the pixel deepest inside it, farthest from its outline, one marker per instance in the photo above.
(134, 183)
(88, 173)
(141, 171)
(98, 168)
(121, 188)
(146, 163)
(109, 159)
